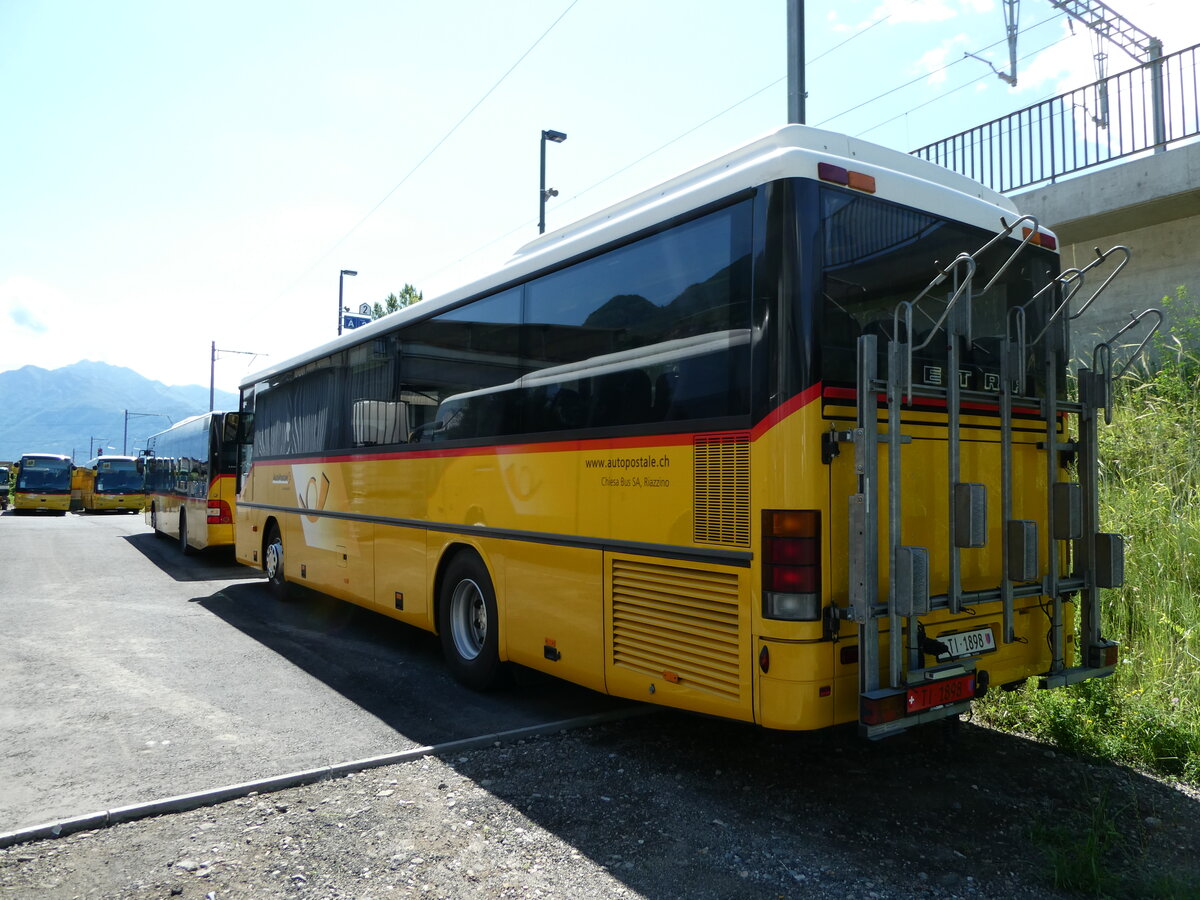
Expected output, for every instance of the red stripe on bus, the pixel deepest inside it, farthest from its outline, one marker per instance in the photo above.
(788, 408)
(837, 393)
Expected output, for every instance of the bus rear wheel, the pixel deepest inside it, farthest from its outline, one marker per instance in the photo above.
(468, 623)
(273, 563)
(184, 547)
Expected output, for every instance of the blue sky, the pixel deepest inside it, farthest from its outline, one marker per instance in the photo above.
(181, 173)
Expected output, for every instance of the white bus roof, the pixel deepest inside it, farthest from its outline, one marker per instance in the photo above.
(793, 151)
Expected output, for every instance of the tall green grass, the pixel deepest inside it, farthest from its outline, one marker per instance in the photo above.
(1148, 713)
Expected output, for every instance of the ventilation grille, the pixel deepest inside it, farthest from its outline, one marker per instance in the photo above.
(677, 624)
(721, 500)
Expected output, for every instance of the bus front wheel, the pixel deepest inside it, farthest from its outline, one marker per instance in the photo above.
(468, 623)
(273, 563)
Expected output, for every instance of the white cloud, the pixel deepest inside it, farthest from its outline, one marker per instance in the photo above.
(934, 62)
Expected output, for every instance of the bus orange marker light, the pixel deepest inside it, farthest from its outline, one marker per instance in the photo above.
(671, 677)
(861, 182)
(1040, 238)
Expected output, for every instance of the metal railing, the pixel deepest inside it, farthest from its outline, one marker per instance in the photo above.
(1143, 109)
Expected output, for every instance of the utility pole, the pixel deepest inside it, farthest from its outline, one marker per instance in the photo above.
(795, 51)
(1143, 48)
(212, 369)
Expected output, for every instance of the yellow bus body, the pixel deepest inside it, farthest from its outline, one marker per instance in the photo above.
(34, 500)
(93, 500)
(675, 632)
(164, 512)
(53, 495)
(660, 435)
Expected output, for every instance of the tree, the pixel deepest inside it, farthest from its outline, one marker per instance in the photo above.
(407, 297)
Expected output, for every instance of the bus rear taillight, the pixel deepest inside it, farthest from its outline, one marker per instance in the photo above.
(791, 555)
(218, 513)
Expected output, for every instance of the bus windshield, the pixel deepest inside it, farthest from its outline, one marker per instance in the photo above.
(44, 474)
(112, 477)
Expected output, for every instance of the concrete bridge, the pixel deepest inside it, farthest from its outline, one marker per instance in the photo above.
(1152, 206)
(1130, 176)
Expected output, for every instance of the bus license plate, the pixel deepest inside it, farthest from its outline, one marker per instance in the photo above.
(967, 643)
(939, 693)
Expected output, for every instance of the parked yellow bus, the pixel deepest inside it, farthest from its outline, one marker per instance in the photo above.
(189, 471)
(42, 483)
(111, 483)
(785, 439)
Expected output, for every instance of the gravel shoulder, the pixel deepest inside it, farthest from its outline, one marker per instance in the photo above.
(660, 806)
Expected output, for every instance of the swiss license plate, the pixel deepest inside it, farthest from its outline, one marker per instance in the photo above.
(967, 643)
(939, 693)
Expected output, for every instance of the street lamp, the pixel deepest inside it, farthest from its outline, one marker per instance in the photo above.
(545, 194)
(341, 309)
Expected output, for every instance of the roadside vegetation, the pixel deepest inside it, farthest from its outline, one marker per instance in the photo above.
(1148, 714)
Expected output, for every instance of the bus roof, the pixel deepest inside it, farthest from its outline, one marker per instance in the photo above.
(186, 421)
(793, 151)
(62, 456)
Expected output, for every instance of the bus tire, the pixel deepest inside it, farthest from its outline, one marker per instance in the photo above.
(273, 563)
(468, 623)
(184, 547)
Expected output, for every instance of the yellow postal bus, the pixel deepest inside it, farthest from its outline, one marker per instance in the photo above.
(189, 471)
(111, 483)
(42, 482)
(785, 439)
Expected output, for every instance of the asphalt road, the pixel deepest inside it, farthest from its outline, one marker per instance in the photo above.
(129, 673)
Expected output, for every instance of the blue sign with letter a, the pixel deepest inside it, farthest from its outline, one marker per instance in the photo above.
(349, 321)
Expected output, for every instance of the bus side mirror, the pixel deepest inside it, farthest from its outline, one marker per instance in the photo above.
(141, 465)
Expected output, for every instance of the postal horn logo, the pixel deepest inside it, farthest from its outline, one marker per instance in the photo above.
(314, 495)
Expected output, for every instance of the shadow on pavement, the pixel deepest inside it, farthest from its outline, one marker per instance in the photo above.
(392, 670)
(212, 564)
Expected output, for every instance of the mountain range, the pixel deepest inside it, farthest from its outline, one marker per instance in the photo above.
(80, 407)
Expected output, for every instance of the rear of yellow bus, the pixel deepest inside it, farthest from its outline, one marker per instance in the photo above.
(934, 546)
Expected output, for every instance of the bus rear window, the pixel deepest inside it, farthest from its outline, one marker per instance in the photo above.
(876, 254)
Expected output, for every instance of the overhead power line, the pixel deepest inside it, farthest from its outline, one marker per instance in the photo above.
(432, 150)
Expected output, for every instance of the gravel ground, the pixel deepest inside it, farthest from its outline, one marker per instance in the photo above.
(660, 806)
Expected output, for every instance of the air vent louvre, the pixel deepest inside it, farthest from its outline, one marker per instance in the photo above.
(721, 492)
(679, 620)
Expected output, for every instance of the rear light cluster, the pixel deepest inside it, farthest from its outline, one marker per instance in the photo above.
(218, 513)
(838, 175)
(791, 567)
(1040, 238)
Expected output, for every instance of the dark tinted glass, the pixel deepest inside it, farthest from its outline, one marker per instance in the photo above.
(652, 332)
(877, 254)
